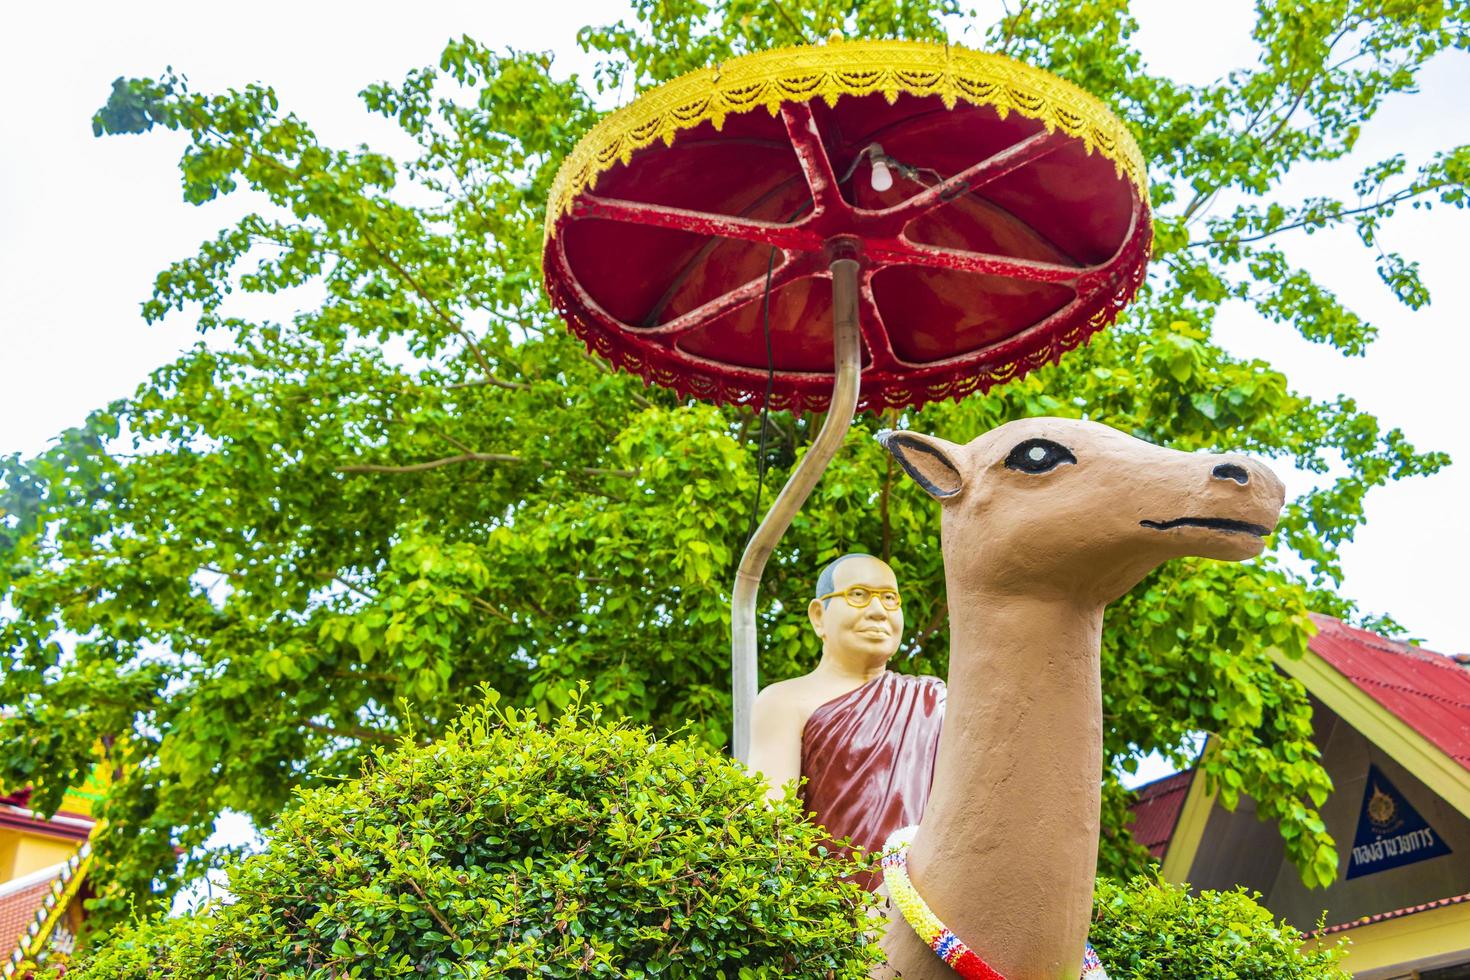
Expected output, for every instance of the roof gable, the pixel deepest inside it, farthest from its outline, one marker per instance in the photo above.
(1408, 690)
(1157, 811)
(1427, 691)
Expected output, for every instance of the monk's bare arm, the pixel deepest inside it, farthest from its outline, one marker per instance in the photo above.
(777, 722)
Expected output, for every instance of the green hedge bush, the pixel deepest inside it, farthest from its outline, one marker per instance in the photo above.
(509, 849)
(1149, 930)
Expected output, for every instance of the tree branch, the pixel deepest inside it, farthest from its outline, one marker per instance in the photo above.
(933, 626)
(434, 307)
(353, 588)
(638, 399)
(790, 22)
(468, 457)
(490, 377)
(431, 464)
(494, 610)
(1201, 197)
(1011, 21)
(355, 732)
(496, 382)
(1321, 221)
(438, 916)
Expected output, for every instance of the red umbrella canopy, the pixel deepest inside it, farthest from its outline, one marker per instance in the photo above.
(999, 216)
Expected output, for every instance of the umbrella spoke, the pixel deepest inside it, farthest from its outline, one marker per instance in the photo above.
(992, 168)
(790, 269)
(875, 331)
(811, 155)
(698, 222)
(901, 251)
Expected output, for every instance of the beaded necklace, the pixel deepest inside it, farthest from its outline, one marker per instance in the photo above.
(946, 945)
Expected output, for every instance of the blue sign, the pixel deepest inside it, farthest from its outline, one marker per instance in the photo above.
(1391, 833)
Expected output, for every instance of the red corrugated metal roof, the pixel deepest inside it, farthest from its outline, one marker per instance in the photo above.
(1157, 811)
(1427, 691)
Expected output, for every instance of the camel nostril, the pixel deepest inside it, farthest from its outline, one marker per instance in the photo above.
(1230, 471)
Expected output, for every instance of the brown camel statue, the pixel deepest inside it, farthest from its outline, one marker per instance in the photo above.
(1045, 521)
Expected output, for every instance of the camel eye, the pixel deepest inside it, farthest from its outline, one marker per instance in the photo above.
(1038, 456)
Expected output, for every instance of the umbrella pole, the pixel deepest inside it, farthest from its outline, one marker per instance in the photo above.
(847, 365)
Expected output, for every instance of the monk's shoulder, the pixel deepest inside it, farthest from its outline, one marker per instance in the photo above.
(796, 696)
(782, 692)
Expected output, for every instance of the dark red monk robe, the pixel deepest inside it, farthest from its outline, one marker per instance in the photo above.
(868, 757)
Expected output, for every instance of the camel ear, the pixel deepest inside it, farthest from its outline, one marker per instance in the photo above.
(933, 463)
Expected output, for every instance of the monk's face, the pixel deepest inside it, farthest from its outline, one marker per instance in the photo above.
(869, 634)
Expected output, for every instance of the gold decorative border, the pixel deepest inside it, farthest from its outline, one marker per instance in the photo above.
(768, 78)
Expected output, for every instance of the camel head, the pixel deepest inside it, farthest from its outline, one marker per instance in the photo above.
(1064, 507)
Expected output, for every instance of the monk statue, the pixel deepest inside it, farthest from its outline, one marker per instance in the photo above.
(864, 736)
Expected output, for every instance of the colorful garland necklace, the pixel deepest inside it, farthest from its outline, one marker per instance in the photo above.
(961, 958)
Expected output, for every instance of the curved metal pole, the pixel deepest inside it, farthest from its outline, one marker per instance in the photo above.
(847, 365)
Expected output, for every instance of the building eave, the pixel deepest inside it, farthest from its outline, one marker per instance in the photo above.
(1444, 775)
(64, 825)
(1383, 947)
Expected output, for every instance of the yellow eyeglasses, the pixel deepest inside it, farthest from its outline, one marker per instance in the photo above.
(859, 596)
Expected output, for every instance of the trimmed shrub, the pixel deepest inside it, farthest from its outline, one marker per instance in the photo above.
(1150, 930)
(509, 849)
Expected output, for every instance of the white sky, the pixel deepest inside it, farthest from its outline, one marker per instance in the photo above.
(86, 223)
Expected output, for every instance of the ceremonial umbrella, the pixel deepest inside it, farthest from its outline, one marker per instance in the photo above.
(904, 222)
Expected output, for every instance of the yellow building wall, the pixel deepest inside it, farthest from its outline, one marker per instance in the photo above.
(20, 853)
(1396, 948)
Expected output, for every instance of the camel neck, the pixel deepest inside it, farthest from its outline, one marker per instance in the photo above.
(1011, 825)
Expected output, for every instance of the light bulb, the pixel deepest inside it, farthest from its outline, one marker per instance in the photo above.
(881, 177)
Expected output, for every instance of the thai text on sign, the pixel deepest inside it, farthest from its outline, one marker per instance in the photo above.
(1391, 833)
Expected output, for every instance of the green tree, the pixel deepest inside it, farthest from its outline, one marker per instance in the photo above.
(291, 547)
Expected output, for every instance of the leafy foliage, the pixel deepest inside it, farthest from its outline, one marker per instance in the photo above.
(512, 849)
(1150, 930)
(310, 537)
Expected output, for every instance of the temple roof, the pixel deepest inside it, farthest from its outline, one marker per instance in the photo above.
(1157, 810)
(1427, 691)
(20, 900)
(30, 904)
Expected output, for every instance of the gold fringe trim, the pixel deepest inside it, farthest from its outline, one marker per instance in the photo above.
(800, 74)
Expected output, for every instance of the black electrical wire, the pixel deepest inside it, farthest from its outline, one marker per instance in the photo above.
(760, 479)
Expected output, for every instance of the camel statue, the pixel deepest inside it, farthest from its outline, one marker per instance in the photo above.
(1045, 521)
